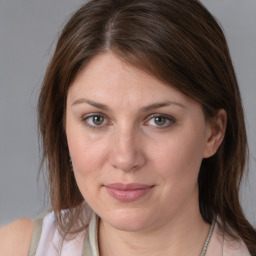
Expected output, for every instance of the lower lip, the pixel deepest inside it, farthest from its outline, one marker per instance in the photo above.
(128, 195)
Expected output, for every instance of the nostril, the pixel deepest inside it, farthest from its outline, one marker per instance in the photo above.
(126, 153)
(129, 161)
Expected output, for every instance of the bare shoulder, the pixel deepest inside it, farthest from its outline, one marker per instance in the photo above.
(15, 238)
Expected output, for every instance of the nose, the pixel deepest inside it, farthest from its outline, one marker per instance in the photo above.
(127, 151)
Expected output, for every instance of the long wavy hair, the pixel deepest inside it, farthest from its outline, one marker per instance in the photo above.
(178, 42)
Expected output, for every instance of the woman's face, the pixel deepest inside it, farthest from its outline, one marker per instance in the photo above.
(136, 145)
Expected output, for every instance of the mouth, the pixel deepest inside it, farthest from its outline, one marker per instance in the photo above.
(128, 192)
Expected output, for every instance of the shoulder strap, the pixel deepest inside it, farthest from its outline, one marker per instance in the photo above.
(91, 238)
(38, 223)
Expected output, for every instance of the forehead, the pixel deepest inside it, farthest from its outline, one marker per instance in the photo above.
(106, 77)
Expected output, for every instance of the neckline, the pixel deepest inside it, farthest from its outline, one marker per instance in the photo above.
(208, 239)
(91, 241)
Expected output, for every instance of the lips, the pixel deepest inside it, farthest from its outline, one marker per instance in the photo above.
(128, 192)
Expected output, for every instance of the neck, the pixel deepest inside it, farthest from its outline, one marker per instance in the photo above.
(183, 235)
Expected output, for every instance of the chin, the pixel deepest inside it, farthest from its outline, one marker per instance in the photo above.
(131, 220)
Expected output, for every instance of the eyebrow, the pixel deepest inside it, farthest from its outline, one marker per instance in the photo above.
(90, 102)
(161, 105)
(143, 109)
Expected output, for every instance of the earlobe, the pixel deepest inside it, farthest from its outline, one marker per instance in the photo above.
(215, 133)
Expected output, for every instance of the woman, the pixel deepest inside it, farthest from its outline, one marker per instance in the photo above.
(144, 137)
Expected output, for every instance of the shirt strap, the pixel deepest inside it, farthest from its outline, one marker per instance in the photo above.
(38, 223)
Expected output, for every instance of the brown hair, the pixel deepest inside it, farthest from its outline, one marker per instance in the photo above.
(178, 42)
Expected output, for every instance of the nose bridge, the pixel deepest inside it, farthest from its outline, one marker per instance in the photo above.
(127, 153)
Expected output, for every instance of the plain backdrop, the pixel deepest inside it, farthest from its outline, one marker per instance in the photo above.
(28, 33)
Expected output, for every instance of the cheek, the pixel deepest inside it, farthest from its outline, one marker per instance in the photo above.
(87, 151)
(88, 158)
(87, 155)
(179, 160)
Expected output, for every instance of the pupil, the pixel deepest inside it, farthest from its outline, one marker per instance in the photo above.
(98, 120)
(160, 120)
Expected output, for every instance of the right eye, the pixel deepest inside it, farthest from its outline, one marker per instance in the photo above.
(95, 120)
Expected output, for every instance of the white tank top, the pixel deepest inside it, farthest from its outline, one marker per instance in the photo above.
(47, 241)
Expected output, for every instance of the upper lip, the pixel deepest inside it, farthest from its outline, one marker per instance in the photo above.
(130, 186)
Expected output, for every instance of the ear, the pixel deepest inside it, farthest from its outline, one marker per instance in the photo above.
(215, 133)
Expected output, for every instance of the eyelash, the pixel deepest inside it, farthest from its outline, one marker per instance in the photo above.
(86, 118)
(167, 118)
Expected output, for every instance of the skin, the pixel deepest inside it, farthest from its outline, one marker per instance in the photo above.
(15, 238)
(124, 126)
(133, 145)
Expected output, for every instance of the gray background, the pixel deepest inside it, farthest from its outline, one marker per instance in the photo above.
(28, 33)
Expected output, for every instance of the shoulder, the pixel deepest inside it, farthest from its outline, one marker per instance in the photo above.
(15, 238)
(235, 248)
(222, 244)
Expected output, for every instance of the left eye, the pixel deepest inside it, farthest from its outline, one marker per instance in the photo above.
(160, 121)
